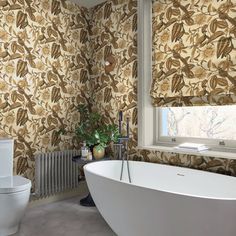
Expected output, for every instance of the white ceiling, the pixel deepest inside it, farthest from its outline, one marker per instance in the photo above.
(88, 3)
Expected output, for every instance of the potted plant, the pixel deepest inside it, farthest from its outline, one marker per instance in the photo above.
(95, 132)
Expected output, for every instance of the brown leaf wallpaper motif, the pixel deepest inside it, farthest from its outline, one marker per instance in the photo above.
(52, 57)
(114, 35)
(194, 52)
(44, 51)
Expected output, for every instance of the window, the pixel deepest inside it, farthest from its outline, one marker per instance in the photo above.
(212, 125)
(163, 128)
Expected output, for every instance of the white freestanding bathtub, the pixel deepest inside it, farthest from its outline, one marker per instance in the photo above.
(163, 200)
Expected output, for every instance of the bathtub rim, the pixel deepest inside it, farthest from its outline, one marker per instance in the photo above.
(86, 168)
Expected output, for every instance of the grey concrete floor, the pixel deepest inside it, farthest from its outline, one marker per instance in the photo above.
(63, 218)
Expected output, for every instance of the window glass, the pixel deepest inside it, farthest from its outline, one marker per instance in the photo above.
(212, 122)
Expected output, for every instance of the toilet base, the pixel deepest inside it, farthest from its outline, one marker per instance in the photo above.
(12, 209)
(9, 231)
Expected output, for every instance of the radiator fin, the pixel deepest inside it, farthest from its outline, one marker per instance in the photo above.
(55, 172)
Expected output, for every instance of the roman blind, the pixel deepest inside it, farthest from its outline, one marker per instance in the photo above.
(194, 55)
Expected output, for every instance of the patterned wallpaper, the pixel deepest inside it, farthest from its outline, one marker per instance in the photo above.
(114, 27)
(48, 50)
(193, 52)
(44, 54)
(114, 32)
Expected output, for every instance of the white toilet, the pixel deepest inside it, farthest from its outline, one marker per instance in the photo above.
(14, 191)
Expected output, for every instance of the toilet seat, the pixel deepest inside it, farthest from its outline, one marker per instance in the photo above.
(13, 184)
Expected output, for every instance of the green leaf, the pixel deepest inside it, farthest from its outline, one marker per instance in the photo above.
(93, 130)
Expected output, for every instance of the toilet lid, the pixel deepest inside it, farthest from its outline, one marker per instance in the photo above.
(12, 184)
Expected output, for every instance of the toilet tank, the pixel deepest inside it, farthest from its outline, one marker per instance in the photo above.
(6, 157)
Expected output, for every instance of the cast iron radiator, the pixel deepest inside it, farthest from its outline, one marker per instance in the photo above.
(55, 172)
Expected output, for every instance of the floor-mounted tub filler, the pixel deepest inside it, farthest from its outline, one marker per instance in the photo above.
(163, 200)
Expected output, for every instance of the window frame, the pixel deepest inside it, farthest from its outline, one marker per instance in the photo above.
(147, 115)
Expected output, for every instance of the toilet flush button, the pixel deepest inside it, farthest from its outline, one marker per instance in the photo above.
(180, 174)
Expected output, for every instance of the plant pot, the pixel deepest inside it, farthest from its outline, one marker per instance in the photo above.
(98, 152)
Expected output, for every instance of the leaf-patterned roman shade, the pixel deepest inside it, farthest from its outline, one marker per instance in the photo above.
(194, 55)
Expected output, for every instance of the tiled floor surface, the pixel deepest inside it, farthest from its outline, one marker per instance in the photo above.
(63, 218)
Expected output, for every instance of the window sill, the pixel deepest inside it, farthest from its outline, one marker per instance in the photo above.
(231, 154)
